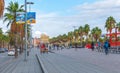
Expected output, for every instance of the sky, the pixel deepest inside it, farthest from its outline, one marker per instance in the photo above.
(54, 17)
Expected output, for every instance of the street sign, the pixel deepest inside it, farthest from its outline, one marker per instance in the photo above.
(31, 17)
(20, 17)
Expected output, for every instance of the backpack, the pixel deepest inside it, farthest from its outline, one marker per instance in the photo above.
(106, 45)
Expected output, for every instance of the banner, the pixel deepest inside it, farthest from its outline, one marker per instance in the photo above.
(31, 17)
(20, 17)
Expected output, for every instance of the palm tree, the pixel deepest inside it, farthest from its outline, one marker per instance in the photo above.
(76, 35)
(70, 36)
(65, 37)
(86, 30)
(1, 7)
(110, 24)
(12, 8)
(5, 40)
(81, 33)
(59, 38)
(118, 26)
(96, 33)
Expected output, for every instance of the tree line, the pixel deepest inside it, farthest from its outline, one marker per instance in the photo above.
(84, 35)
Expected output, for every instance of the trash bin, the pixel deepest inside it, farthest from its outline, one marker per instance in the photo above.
(27, 53)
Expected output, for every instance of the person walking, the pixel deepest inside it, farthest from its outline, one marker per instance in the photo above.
(106, 47)
(99, 46)
(92, 46)
(42, 48)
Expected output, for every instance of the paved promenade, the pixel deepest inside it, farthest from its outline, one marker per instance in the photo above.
(64, 61)
(71, 61)
(20, 66)
(31, 66)
(110, 62)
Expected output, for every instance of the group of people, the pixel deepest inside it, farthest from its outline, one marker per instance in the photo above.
(106, 46)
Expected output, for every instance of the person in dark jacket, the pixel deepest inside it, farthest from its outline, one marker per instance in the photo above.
(92, 46)
(106, 46)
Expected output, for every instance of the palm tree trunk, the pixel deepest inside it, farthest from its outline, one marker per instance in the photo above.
(15, 46)
(16, 43)
(1, 7)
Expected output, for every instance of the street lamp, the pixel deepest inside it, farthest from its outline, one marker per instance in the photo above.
(25, 59)
(30, 3)
(74, 34)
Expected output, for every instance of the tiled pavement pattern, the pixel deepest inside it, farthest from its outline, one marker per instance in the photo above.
(110, 62)
(20, 66)
(59, 63)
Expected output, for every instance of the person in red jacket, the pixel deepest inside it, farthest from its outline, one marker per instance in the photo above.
(42, 48)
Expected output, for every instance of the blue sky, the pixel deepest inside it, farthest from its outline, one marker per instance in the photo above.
(56, 17)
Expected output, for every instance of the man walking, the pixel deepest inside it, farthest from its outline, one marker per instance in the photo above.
(92, 46)
(106, 47)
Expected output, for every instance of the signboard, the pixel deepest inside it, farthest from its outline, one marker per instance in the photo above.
(31, 17)
(20, 17)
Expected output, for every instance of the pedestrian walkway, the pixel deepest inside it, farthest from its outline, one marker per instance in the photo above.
(20, 66)
(110, 62)
(58, 63)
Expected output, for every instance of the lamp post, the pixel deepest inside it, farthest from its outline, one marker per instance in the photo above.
(74, 37)
(30, 3)
(74, 34)
(25, 59)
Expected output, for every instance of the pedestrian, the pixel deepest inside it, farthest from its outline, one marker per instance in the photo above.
(99, 46)
(42, 48)
(92, 46)
(49, 47)
(106, 46)
(70, 46)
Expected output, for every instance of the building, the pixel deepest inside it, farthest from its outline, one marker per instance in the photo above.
(44, 38)
(36, 41)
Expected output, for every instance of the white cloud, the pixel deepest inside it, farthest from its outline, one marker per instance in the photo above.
(37, 32)
(102, 4)
(96, 13)
(99, 8)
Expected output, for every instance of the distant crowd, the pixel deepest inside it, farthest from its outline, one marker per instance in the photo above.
(45, 48)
